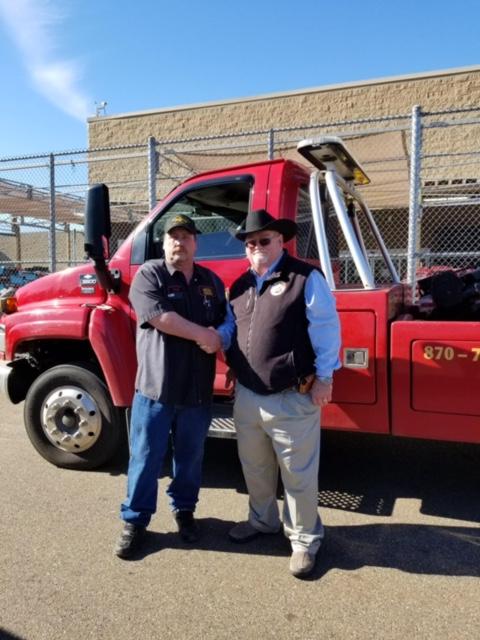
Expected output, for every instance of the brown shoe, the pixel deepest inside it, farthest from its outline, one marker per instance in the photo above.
(244, 532)
(302, 563)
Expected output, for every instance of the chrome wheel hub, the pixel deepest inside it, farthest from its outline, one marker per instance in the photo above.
(71, 419)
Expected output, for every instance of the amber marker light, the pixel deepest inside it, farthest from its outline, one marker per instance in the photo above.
(8, 305)
(359, 177)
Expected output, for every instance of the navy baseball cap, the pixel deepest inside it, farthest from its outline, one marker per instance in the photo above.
(182, 221)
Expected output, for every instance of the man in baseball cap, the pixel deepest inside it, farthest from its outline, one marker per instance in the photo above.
(181, 322)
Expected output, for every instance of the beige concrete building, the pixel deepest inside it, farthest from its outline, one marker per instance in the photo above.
(379, 110)
(31, 250)
(433, 91)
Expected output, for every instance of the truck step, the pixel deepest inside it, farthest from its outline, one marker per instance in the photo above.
(222, 425)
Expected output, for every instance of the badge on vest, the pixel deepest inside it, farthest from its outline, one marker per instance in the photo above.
(278, 288)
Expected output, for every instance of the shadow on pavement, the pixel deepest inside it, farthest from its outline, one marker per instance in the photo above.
(366, 473)
(418, 549)
(214, 538)
(7, 635)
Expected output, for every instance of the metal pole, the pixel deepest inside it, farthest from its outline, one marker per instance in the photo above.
(359, 258)
(415, 210)
(74, 248)
(18, 242)
(319, 227)
(271, 144)
(152, 171)
(52, 248)
(69, 244)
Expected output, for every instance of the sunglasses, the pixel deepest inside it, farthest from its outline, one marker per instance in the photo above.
(263, 242)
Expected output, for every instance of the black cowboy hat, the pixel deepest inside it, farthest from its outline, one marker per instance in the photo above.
(261, 220)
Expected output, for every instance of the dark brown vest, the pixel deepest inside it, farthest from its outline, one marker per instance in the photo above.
(272, 349)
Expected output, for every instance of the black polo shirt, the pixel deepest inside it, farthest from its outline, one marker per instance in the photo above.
(173, 370)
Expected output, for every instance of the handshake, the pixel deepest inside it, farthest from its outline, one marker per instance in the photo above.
(209, 340)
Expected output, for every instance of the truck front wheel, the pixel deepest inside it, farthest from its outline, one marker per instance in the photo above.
(70, 418)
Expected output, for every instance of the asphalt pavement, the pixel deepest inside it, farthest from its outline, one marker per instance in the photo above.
(401, 558)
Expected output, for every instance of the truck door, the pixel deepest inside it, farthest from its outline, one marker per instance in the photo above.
(218, 204)
(359, 271)
(360, 392)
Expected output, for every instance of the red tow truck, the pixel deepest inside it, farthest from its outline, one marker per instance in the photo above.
(67, 340)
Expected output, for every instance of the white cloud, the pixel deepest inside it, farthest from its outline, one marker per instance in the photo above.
(33, 25)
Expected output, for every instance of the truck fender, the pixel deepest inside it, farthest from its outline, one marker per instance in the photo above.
(62, 323)
(111, 336)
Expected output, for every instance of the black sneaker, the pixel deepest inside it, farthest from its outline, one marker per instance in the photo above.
(130, 540)
(187, 527)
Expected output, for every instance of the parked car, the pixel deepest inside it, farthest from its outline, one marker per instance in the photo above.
(6, 272)
(12, 277)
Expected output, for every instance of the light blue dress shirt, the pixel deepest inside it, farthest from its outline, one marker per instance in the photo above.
(227, 328)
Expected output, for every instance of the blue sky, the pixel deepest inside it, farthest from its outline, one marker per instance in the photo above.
(57, 57)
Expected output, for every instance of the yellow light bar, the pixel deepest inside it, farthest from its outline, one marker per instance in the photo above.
(8, 305)
(328, 150)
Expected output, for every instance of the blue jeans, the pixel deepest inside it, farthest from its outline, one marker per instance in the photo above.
(150, 427)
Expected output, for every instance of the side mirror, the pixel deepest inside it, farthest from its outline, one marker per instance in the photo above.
(97, 222)
(97, 235)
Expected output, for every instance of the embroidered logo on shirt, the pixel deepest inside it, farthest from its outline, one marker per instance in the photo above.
(278, 288)
(207, 292)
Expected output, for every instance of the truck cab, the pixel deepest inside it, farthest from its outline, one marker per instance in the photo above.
(68, 339)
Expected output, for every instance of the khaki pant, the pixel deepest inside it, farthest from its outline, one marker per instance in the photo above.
(281, 430)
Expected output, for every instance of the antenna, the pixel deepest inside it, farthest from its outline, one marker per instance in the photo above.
(100, 108)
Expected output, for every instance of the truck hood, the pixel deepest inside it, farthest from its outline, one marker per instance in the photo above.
(76, 285)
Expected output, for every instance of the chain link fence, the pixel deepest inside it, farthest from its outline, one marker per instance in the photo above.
(449, 224)
(424, 191)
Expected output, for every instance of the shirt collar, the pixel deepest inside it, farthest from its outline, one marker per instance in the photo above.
(171, 269)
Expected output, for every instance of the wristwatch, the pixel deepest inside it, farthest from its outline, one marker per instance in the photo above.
(325, 379)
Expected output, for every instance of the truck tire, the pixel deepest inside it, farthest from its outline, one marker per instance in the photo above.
(70, 418)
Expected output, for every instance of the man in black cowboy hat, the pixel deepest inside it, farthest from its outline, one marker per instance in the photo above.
(283, 357)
